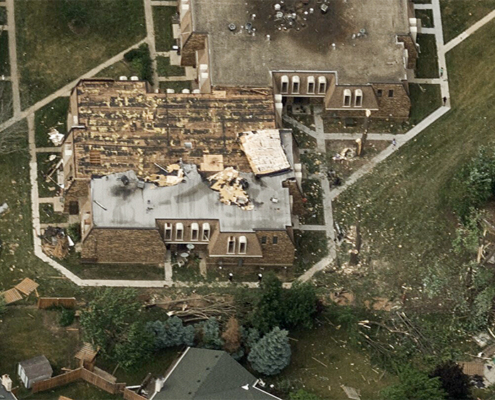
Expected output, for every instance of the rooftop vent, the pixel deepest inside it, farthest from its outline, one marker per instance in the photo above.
(122, 78)
(188, 145)
(232, 27)
(134, 78)
(125, 180)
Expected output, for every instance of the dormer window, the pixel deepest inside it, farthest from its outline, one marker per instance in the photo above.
(194, 231)
(347, 98)
(179, 231)
(295, 84)
(231, 245)
(285, 84)
(206, 231)
(242, 245)
(311, 85)
(322, 85)
(358, 98)
(168, 231)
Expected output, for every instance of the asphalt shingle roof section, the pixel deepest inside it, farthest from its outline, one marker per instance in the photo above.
(210, 375)
(37, 366)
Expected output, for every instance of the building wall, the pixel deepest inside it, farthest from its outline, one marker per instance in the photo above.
(411, 48)
(195, 42)
(129, 246)
(77, 190)
(297, 197)
(398, 106)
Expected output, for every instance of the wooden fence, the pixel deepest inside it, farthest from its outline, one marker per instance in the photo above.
(80, 373)
(130, 395)
(59, 380)
(47, 302)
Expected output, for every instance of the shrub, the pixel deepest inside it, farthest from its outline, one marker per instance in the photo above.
(74, 231)
(272, 353)
(141, 61)
(171, 333)
(210, 334)
(66, 317)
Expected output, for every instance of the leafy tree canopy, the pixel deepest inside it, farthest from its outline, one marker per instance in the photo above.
(414, 385)
(272, 353)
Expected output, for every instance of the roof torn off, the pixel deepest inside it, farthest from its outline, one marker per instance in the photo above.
(264, 151)
(172, 175)
(231, 188)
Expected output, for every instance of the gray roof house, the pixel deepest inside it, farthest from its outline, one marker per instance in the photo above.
(202, 374)
(34, 370)
(6, 388)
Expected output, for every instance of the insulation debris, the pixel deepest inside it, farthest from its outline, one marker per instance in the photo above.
(171, 176)
(231, 188)
(55, 137)
(264, 151)
(212, 163)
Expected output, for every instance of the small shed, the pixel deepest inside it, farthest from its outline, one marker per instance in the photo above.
(34, 370)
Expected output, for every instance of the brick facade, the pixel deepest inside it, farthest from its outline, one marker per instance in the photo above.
(128, 246)
(397, 107)
(78, 189)
(411, 48)
(194, 43)
(298, 207)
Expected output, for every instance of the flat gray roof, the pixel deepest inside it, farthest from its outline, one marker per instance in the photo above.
(238, 58)
(118, 206)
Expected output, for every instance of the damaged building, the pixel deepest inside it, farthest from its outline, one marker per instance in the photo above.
(326, 52)
(154, 172)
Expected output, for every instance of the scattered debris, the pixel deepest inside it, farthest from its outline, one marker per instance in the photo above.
(3, 208)
(212, 163)
(351, 392)
(11, 296)
(231, 188)
(171, 176)
(55, 137)
(54, 242)
(27, 286)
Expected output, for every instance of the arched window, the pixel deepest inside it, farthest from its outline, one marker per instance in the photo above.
(242, 245)
(322, 85)
(347, 98)
(295, 84)
(358, 98)
(231, 245)
(168, 231)
(285, 84)
(206, 231)
(311, 85)
(179, 231)
(194, 231)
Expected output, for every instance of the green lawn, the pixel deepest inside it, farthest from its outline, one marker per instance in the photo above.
(6, 107)
(426, 17)
(304, 141)
(3, 15)
(425, 99)
(165, 69)
(53, 115)
(404, 219)
(458, 15)
(162, 18)
(59, 40)
(314, 206)
(427, 65)
(49, 216)
(119, 69)
(4, 54)
(47, 188)
(311, 247)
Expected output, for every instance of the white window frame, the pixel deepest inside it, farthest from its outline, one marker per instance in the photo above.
(296, 84)
(168, 231)
(179, 227)
(206, 232)
(231, 239)
(284, 81)
(347, 95)
(322, 81)
(311, 81)
(194, 229)
(358, 94)
(242, 245)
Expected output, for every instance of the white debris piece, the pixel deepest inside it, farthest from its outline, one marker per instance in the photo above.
(55, 137)
(4, 207)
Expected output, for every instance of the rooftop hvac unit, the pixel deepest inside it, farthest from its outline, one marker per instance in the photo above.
(188, 145)
(186, 91)
(203, 67)
(7, 382)
(134, 78)
(170, 91)
(196, 91)
(122, 78)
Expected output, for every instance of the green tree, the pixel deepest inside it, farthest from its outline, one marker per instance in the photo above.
(455, 382)
(107, 319)
(272, 353)
(269, 310)
(135, 346)
(414, 385)
(171, 333)
(210, 334)
(300, 305)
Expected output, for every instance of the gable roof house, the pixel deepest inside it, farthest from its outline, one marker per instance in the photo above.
(202, 374)
(34, 370)
(348, 56)
(147, 172)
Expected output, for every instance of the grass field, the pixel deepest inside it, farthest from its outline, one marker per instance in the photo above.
(404, 219)
(6, 108)
(162, 19)
(314, 206)
(427, 65)
(59, 40)
(165, 69)
(117, 70)
(458, 15)
(3, 15)
(46, 188)
(4, 54)
(53, 115)
(426, 17)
